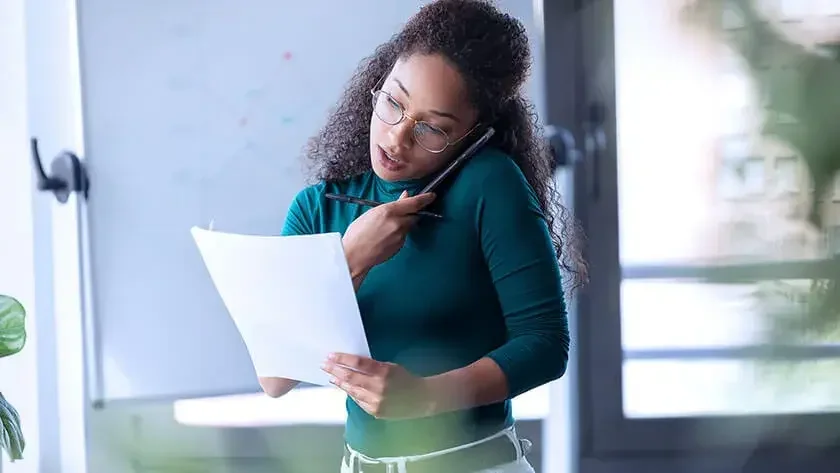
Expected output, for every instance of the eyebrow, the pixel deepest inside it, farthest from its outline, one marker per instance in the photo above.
(436, 112)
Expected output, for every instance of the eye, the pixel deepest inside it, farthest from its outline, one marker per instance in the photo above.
(426, 128)
(393, 103)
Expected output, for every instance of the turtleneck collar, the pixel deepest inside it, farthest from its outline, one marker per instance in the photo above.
(395, 188)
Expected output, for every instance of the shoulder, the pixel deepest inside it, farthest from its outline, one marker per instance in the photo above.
(507, 212)
(309, 212)
(303, 210)
(492, 178)
(312, 197)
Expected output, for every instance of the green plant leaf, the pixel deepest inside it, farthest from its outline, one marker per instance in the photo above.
(11, 437)
(12, 326)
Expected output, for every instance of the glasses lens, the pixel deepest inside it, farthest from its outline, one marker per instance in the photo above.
(386, 108)
(430, 138)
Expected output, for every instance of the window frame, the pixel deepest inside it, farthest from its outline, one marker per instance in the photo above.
(604, 431)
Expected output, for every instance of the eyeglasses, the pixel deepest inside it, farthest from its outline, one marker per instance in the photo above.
(426, 135)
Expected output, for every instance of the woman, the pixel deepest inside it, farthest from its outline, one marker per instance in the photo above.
(461, 313)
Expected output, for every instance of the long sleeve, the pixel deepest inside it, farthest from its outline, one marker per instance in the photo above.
(522, 261)
(302, 212)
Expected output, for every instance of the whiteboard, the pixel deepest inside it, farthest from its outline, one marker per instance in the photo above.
(197, 111)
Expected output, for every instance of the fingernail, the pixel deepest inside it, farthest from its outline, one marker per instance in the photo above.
(331, 356)
(404, 193)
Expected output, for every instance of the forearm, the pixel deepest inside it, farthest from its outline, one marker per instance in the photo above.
(276, 387)
(478, 384)
(518, 366)
(531, 360)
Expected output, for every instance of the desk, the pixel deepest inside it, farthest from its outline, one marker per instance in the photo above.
(318, 406)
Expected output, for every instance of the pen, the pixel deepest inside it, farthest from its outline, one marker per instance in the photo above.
(372, 203)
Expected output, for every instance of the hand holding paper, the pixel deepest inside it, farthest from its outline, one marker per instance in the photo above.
(291, 298)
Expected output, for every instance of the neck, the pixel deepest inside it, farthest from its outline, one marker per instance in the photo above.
(395, 188)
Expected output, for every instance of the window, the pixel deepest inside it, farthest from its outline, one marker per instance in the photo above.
(718, 309)
(742, 177)
(786, 177)
(835, 191)
(833, 239)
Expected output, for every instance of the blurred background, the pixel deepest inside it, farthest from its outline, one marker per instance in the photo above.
(698, 142)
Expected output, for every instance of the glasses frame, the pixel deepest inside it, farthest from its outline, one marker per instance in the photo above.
(403, 115)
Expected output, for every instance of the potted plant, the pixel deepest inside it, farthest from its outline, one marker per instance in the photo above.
(12, 339)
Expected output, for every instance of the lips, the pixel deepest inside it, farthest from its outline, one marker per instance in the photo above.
(388, 162)
(387, 155)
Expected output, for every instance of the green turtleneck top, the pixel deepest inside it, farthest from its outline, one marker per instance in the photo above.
(482, 282)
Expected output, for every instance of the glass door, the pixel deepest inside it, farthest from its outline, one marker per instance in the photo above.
(715, 166)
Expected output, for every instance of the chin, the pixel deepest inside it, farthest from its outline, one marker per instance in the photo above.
(385, 174)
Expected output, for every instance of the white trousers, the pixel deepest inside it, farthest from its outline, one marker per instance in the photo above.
(520, 465)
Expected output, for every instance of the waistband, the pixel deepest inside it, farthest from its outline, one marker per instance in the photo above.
(502, 447)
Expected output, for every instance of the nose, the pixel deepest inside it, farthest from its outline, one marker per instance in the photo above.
(401, 134)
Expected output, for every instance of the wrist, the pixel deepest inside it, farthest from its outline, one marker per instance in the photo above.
(480, 383)
(357, 266)
(440, 395)
(429, 404)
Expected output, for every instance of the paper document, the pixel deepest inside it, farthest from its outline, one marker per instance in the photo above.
(291, 298)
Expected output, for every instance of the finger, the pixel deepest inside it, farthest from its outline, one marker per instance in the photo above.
(356, 362)
(358, 394)
(367, 406)
(365, 399)
(409, 205)
(398, 210)
(346, 377)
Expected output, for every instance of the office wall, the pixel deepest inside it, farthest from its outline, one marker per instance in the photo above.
(17, 277)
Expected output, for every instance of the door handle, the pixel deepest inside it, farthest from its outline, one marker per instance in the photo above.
(561, 142)
(67, 174)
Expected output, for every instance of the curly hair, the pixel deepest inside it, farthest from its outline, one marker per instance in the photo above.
(491, 51)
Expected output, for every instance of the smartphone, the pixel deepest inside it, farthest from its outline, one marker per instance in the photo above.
(467, 154)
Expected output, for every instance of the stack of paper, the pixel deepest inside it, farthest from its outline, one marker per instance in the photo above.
(291, 298)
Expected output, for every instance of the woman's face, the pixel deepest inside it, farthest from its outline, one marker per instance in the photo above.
(436, 109)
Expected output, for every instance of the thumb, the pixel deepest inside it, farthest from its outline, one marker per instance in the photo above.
(409, 205)
(425, 199)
